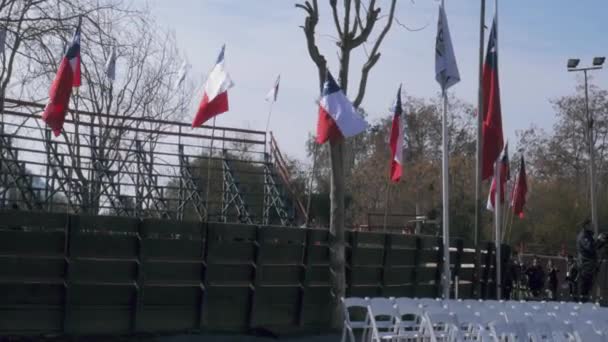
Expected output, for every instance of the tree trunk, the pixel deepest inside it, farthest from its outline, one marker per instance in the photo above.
(337, 151)
(336, 230)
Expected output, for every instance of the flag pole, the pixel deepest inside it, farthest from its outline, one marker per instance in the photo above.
(479, 156)
(446, 199)
(386, 202)
(269, 114)
(498, 195)
(209, 170)
(498, 224)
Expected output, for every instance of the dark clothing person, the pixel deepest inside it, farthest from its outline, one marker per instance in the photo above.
(536, 279)
(587, 248)
(553, 282)
(572, 279)
(508, 279)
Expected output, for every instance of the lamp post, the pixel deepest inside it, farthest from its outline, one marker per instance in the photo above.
(598, 63)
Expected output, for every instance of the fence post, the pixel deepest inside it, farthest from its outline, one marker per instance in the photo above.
(416, 269)
(203, 282)
(72, 222)
(304, 267)
(487, 268)
(457, 265)
(351, 239)
(439, 270)
(388, 243)
(253, 285)
(139, 280)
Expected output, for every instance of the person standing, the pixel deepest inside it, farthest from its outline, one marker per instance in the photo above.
(552, 279)
(572, 278)
(536, 278)
(587, 247)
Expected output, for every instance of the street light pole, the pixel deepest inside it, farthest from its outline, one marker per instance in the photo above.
(590, 143)
(572, 66)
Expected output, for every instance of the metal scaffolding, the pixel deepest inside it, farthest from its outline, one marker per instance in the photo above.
(141, 167)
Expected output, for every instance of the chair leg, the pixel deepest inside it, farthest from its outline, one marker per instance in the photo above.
(351, 335)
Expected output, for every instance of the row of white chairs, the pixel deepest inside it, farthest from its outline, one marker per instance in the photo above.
(411, 319)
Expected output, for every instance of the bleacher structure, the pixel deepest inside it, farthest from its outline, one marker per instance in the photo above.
(142, 167)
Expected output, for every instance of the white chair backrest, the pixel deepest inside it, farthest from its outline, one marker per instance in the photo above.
(382, 307)
(406, 306)
(352, 304)
(442, 319)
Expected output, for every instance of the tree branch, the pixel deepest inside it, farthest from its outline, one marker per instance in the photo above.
(374, 55)
(309, 27)
(334, 12)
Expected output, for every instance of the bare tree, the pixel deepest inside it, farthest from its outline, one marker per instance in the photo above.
(145, 86)
(354, 28)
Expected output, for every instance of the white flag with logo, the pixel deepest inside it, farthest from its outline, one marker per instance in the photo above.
(446, 70)
(274, 92)
(110, 68)
(181, 74)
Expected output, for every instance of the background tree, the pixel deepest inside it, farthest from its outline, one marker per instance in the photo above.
(558, 173)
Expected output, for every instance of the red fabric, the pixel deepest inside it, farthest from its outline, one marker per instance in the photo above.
(327, 129)
(396, 168)
(396, 171)
(207, 110)
(76, 79)
(59, 97)
(492, 136)
(504, 175)
(520, 191)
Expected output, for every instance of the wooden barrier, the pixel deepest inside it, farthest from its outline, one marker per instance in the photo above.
(81, 275)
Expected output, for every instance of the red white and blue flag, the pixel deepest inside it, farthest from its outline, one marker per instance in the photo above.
(215, 96)
(520, 191)
(492, 136)
(505, 175)
(338, 118)
(396, 140)
(68, 76)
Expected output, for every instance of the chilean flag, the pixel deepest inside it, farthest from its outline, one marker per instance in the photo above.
(520, 191)
(215, 96)
(492, 136)
(68, 76)
(338, 118)
(504, 176)
(396, 140)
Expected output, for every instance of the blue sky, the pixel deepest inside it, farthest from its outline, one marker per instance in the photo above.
(263, 38)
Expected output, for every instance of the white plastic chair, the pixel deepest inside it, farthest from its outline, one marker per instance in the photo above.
(411, 319)
(383, 318)
(471, 325)
(350, 306)
(440, 326)
(588, 335)
(509, 332)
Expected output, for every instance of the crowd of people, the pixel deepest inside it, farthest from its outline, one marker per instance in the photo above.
(523, 280)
